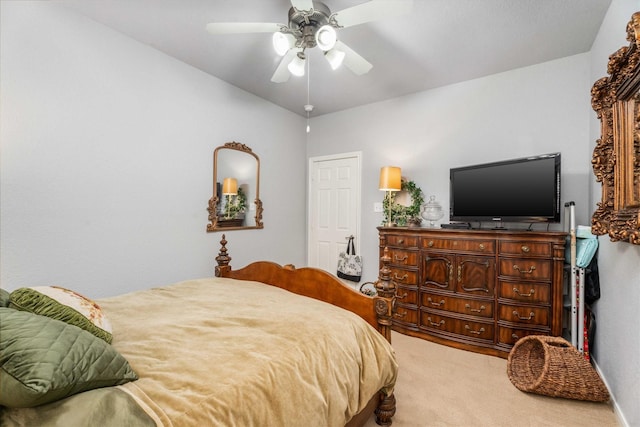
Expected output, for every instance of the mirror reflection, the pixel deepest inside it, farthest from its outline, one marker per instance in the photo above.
(235, 203)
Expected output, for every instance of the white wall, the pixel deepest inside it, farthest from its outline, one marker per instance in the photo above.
(534, 110)
(617, 349)
(106, 160)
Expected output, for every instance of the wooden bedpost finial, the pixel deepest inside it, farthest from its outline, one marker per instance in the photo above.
(386, 296)
(222, 259)
(385, 286)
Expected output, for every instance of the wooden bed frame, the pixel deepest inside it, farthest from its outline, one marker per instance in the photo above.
(318, 284)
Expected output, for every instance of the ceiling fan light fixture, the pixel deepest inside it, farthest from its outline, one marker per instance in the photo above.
(326, 37)
(296, 66)
(282, 42)
(334, 57)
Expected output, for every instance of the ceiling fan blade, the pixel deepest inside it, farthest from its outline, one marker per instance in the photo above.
(353, 60)
(282, 74)
(243, 27)
(302, 4)
(372, 11)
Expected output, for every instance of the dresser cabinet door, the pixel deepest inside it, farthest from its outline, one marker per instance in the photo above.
(437, 271)
(475, 275)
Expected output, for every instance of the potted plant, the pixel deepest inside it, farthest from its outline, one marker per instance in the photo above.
(404, 215)
(235, 205)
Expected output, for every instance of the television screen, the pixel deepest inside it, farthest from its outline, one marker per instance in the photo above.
(518, 190)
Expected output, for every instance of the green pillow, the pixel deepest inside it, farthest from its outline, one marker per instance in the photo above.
(65, 305)
(43, 360)
(4, 298)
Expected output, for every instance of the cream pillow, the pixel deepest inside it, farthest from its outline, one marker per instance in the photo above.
(65, 305)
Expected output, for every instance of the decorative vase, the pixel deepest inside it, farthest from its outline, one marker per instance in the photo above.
(432, 211)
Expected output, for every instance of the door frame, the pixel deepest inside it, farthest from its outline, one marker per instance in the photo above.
(358, 204)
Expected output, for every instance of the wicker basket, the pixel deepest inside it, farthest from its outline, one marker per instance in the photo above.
(551, 366)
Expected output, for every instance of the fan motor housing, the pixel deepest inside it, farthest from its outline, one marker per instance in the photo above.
(308, 21)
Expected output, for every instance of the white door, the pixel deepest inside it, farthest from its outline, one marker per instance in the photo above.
(334, 207)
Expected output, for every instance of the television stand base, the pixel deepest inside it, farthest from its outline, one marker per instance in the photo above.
(457, 225)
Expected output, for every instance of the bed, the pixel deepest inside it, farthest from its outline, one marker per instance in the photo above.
(221, 351)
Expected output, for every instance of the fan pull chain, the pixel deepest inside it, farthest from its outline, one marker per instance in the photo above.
(308, 107)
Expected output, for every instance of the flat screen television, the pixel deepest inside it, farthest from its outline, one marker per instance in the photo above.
(517, 190)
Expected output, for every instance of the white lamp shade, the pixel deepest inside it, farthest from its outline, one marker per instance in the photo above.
(326, 37)
(296, 66)
(229, 187)
(390, 178)
(282, 43)
(334, 57)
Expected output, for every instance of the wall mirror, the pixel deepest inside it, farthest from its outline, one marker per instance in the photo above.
(235, 203)
(616, 157)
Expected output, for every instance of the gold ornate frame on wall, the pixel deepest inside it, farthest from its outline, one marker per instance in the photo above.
(235, 159)
(616, 157)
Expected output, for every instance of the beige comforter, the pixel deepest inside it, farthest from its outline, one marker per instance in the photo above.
(223, 352)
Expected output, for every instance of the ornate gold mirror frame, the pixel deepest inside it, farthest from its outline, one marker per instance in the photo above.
(616, 157)
(236, 179)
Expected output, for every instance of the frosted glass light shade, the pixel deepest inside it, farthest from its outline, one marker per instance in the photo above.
(334, 57)
(390, 178)
(282, 43)
(296, 66)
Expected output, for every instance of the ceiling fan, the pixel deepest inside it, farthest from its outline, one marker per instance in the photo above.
(311, 24)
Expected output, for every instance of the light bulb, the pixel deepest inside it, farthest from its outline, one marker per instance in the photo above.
(326, 37)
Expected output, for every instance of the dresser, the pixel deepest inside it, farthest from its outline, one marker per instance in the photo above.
(479, 290)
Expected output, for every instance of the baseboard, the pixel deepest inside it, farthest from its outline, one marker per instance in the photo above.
(616, 408)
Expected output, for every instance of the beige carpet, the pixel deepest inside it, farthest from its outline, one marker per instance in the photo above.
(442, 386)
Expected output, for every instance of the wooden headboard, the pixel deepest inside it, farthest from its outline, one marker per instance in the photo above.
(321, 285)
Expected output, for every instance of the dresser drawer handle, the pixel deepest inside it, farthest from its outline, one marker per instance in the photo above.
(436, 304)
(525, 249)
(530, 294)
(478, 332)
(475, 310)
(515, 337)
(400, 241)
(521, 271)
(531, 314)
(400, 279)
(430, 244)
(481, 246)
(436, 324)
(400, 315)
(401, 259)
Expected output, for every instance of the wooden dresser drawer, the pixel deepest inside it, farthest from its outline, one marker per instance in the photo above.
(406, 315)
(525, 292)
(536, 316)
(525, 248)
(462, 327)
(403, 258)
(527, 269)
(475, 246)
(407, 295)
(508, 336)
(457, 305)
(404, 277)
(402, 241)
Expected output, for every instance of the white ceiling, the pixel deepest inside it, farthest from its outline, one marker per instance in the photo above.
(439, 43)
